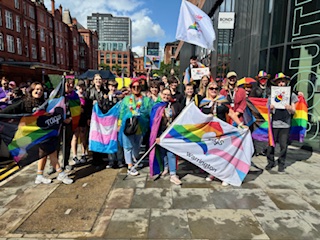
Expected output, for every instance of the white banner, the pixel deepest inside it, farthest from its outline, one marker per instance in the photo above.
(213, 145)
(226, 20)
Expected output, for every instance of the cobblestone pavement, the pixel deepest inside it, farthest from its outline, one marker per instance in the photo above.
(101, 205)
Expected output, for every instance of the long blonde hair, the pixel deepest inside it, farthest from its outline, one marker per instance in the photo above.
(202, 88)
(209, 85)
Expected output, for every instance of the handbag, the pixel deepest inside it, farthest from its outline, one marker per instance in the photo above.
(131, 126)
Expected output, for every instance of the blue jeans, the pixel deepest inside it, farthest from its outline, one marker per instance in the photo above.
(133, 151)
(169, 160)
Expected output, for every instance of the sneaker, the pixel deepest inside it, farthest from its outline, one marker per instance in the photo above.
(109, 166)
(209, 178)
(175, 179)
(270, 165)
(133, 172)
(76, 160)
(63, 177)
(68, 168)
(51, 170)
(165, 172)
(120, 165)
(224, 184)
(83, 159)
(42, 179)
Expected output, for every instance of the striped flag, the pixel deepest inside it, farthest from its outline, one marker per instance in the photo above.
(103, 136)
(213, 145)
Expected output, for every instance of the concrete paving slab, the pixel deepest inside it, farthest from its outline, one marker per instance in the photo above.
(192, 198)
(131, 181)
(285, 224)
(10, 219)
(128, 223)
(152, 198)
(281, 181)
(309, 181)
(197, 180)
(224, 224)
(119, 198)
(242, 199)
(160, 182)
(312, 197)
(169, 224)
(312, 217)
(287, 199)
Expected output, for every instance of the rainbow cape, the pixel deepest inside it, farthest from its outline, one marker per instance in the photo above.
(264, 132)
(103, 130)
(213, 145)
(30, 137)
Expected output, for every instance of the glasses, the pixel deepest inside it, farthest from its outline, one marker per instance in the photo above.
(136, 87)
(213, 88)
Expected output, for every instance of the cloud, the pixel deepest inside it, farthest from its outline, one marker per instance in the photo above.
(143, 27)
(138, 50)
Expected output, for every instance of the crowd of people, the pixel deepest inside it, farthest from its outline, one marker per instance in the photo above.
(224, 100)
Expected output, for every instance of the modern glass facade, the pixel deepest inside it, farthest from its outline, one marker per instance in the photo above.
(111, 29)
(282, 35)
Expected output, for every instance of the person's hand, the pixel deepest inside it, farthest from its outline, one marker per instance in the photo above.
(88, 122)
(288, 107)
(271, 107)
(300, 94)
(4, 99)
(118, 129)
(157, 140)
(67, 121)
(94, 102)
(191, 80)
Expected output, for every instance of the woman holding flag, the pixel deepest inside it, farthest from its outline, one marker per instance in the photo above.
(216, 105)
(162, 115)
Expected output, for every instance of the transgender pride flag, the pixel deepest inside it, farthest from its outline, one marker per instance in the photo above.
(213, 145)
(103, 130)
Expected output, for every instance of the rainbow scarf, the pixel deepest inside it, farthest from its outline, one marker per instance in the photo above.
(75, 108)
(30, 137)
(264, 132)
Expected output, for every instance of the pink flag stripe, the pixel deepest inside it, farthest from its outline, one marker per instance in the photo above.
(105, 139)
(236, 162)
(105, 121)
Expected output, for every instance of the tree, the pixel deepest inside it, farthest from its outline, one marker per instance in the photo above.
(104, 66)
(165, 69)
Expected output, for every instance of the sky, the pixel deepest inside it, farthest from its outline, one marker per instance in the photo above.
(152, 20)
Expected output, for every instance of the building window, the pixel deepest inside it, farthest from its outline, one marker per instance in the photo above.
(31, 12)
(114, 55)
(19, 46)
(1, 42)
(10, 43)
(113, 61)
(52, 57)
(17, 4)
(0, 17)
(24, 8)
(82, 64)
(108, 61)
(62, 59)
(18, 26)
(50, 22)
(41, 17)
(108, 55)
(34, 51)
(125, 56)
(32, 31)
(42, 38)
(119, 61)
(119, 55)
(43, 54)
(26, 48)
(74, 41)
(9, 21)
(75, 54)
(58, 59)
(25, 28)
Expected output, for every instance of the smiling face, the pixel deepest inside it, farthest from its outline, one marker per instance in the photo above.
(136, 88)
(213, 90)
(4, 83)
(166, 95)
(37, 92)
(232, 80)
(97, 80)
(282, 82)
(263, 81)
(189, 91)
(204, 81)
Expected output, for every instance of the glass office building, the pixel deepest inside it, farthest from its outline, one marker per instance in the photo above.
(113, 30)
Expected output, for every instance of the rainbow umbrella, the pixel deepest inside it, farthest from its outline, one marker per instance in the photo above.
(245, 80)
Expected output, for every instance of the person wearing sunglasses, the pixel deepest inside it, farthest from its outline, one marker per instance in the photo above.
(216, 105)
(138, 107)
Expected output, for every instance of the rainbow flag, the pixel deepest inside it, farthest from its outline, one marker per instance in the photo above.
(75, 108)
(30, 137)
(213, 145)
(103, 136)
(264, 132)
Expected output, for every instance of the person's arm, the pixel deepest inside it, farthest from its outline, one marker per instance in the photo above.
(243, 102)
(187, 77)
(235, 118)
(16, 108)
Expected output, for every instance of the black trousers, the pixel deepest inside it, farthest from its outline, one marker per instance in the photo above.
(66, 141)
(281, 136)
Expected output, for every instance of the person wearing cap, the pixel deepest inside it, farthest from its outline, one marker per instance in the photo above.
(236, 96)
(261, 90)
(4, 93)
(193, 64)
(281, 123)
(134, 108)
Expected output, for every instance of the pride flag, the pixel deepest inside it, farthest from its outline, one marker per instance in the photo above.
(213, 145)
(75, 108)
(30, 137)
(103, 136)
(264, 132)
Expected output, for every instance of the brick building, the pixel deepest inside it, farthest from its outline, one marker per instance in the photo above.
(35, 42)
(138, 64)
(169, 52)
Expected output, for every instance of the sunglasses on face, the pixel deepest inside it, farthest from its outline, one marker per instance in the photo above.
(212, 88)
(136, 87)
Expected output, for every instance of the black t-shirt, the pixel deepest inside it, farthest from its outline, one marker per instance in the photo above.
(222, 110)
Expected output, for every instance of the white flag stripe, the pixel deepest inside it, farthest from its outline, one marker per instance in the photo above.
(195, 26)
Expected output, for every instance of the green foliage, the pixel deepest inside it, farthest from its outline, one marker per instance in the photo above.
(165, 69)
(104, 66)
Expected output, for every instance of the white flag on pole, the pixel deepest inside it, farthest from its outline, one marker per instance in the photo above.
(195, 26)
